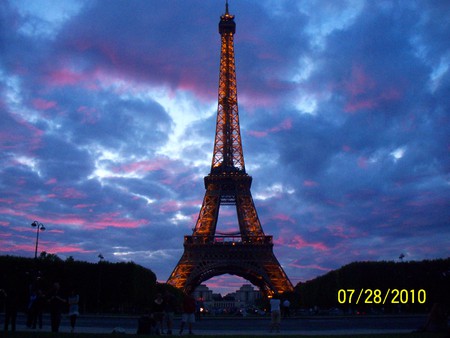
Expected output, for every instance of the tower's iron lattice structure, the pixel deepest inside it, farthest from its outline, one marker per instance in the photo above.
(249, 253)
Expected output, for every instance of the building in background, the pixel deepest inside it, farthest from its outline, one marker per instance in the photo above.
(238, 302)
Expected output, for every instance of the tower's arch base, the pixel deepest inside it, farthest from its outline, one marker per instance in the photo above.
(253, 260)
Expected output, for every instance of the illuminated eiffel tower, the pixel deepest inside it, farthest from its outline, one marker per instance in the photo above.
(248, 253)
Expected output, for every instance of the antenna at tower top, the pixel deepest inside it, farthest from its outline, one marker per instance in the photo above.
(226, 24)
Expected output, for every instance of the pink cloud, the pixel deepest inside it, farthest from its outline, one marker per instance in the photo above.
(42, 104)
(266, 93)
(309, 183)
(390, 94)
(65, 220)
(359, 82)
(64, 249)
(9, 140)
(143, 166)
(51, 181)
(69, 193)
(6, 201)
(23, 233)
(21, 181)
(282, 217)
(114, 221)
(170, 206)
(355, 105)
(284, 125)
(176, 182)
(110, 51)
(64, 77)
(296, 241)
(90, 115)
(55, 231)
(425, 198)
(343, 231)
(258, 134)
(226, 283)
(362, 162)
(227, 212)
(11, 212)
(101, 222)
(9, 247)
(364, 93)
(84, 206)
(346, 148)
(334, 203)
(25, 136)
(310, 266)
(36, 199)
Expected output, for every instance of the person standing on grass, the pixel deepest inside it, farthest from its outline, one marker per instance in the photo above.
(188, 313)
(169, 310)
(275, 315)
(286, 310)
(56, 303)
(38, 309)
(10, 298)
(158, 313)
(73, 301)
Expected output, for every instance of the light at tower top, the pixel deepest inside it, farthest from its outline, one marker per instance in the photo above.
(227, 24)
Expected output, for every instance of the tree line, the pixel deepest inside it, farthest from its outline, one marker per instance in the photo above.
(103, 287)
(334, 289)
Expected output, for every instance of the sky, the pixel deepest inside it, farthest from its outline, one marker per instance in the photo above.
(108, 115)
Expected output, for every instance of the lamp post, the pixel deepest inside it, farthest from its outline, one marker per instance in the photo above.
(39, 227)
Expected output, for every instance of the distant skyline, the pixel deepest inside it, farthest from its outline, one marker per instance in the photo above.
(108, 118)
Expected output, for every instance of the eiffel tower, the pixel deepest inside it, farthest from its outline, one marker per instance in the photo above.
(248, 253)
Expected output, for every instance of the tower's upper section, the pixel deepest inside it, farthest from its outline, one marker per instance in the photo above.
(227, 24)
(228, 156)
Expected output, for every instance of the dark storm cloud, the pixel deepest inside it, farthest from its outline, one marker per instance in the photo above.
(116, 122)
(270, 45)
(100, 39)
(62, 160)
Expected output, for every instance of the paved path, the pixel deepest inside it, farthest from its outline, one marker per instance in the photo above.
(256, 332)
(251, 326)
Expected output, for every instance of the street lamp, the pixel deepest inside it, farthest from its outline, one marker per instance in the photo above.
(39, 227)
